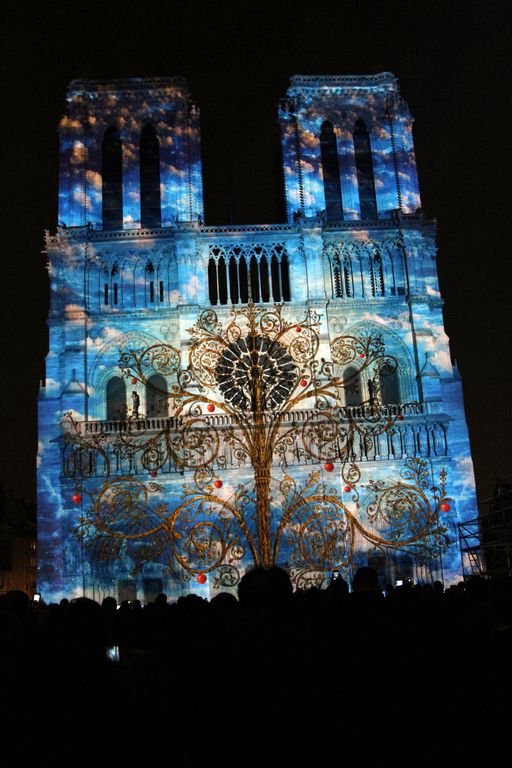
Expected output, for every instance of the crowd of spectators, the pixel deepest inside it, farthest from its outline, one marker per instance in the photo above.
(269, 675)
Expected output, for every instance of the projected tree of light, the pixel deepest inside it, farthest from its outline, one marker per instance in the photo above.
(255, 372)
(223, 396)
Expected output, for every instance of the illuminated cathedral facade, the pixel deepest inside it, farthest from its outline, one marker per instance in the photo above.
(223, 396)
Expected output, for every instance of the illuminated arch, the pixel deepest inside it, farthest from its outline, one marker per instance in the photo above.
(364, 168)
(115, 397)
(263, 268)
(331, 173)
(112, 179)
(157, 404)
(149, 150)
(105, 365)
(376, 274)
(403, 385)
(352, 386)
(389, 382)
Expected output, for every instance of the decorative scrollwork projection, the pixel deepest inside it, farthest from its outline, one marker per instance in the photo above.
(260, 372)
(121, 510)
(325, 538)
(403, 514)
(162, 359)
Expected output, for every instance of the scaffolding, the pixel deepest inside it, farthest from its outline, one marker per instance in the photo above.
(486, 541)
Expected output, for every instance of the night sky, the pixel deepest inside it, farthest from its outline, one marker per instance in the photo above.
(453, 63)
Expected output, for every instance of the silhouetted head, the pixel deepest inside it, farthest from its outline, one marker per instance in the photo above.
(17, 603)
(161, 600)
(84, 630)
(338, 586)
(264, 589)
(365, 580)
(109, 605)
(224, 605)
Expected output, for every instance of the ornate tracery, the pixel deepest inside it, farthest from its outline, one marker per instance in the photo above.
(262, 375)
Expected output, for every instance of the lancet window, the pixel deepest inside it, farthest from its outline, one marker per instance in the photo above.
(240, 273)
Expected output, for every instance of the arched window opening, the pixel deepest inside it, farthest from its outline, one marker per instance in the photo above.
(115, 285)
(260, 273)
(254, 273)
(116, 398)
(352, 385)
(212, 282)
(150, 283)
(264, 279)
(233, 280)
(244, 281)
(222, 281)
(157, 404)
(337, 284)
(275, 270)
(285, 279)
(112, 180)
(331, 173)
(389, 385)
(376, 275)
(364, 169)
(149, 148)
(161, 290)
(348, 278)
(105, 293)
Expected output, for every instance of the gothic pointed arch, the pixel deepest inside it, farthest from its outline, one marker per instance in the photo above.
(112, 179)
(156, 396)
(393, 253)
(150, 282)
(331, 173)
(352, 385)
(376, 274)
(213, 288)
(394, 370)
(364, 169)
(115, 296)
(342, 274)
(116, 398)
(149, 150)
(389, 382)
(337, 277)
(233, 270)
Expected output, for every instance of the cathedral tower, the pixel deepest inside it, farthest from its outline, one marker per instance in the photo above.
(223, 396)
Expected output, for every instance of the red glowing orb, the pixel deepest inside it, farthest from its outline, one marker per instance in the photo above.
(445, 506)
(347, 489)
(77, 498)
(303, 382)
(201, 578)
(218, 483)
(153, 473)
(328, 466)
(298, 329)
(134, 380)
(210, 407)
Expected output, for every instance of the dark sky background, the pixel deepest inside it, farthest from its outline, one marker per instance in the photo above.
(453, 62)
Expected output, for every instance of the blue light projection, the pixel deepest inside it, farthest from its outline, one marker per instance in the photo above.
(124, 105)
(345, 100)
(181, 442)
